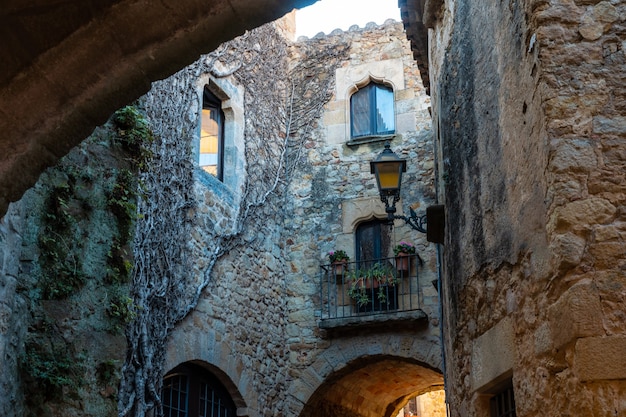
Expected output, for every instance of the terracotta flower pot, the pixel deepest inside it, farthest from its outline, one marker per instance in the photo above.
(339, 268)
(402, 262)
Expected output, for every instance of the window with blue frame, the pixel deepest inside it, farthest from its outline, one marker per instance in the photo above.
(372, 111)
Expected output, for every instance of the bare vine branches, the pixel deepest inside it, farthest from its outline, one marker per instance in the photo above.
(282, 108)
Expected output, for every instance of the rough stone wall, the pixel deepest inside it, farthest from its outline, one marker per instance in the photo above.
(220, 239)
(227, 274)
(64, 306)
(334, 191)
(529, 122)
(255, 324)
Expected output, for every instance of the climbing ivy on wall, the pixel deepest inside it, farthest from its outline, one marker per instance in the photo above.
(85, 230)
(282, 105)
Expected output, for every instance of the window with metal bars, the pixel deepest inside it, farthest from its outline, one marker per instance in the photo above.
(175, 393)
(190, 390)
(503, 403)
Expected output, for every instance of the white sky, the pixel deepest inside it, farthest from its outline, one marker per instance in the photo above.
(328, 15)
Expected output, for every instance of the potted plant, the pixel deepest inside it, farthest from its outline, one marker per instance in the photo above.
(402, 251)
(378, 276)
(339, 260)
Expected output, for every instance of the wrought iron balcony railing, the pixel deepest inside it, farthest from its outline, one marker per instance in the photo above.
(354, 290)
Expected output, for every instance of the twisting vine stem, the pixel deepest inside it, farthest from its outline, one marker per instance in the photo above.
(282, 107)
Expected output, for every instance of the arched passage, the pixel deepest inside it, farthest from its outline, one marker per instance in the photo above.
(369, 374)
(374, 386)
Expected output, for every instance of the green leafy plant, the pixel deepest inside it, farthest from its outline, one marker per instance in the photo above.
(378, 276)
(52, 368)
(121, 310)
(337, 256)
(61, 270)
(107, 372)
(133, 133)
(404, 247)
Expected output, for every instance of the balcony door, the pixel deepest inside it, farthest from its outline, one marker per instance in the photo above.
(373, 241)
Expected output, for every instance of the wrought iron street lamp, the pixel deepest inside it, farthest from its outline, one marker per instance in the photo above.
(388, 167)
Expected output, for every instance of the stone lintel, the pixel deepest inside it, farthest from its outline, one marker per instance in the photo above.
(400, 318)
(493, 355)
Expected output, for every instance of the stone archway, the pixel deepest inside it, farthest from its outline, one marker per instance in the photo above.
(372, 387)
(369, 375)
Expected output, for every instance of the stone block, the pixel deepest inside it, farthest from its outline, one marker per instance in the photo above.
(600, 358)
(336, 134)
(406, 122)
(337, 117)
(577, 313)
(569, 249)
(607, 255)
(543, 339)
(597, 20)
(581, 214)
(493, 355)
(574, 155)
(406, 94)
(614, 124)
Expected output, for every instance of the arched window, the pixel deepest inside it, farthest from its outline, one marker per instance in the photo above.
(372, 111)
(373, 240)
(190, 390)
(211, 155)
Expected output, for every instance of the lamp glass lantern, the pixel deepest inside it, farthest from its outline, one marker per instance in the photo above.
(388, 167)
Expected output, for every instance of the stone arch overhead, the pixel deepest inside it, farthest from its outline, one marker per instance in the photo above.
(65, 73)
(349, 368)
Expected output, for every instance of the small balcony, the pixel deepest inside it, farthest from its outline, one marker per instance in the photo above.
(378, 291)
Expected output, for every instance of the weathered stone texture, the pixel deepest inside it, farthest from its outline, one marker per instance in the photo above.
(257, 319)
(78, 325)
(528, 106)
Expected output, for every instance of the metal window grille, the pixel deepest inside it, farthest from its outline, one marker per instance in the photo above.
(175, 394)
(191, 391)
(212, 404)
(503, 403)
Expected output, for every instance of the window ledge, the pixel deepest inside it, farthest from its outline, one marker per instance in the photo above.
(218, 187)
(372, 139)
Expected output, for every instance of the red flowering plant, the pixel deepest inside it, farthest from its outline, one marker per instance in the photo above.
(404, 247)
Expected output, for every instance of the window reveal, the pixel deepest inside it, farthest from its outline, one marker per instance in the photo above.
(211, 155)
(503, 403)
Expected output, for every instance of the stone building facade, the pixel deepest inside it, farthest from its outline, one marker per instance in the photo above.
(258, 324)
(528, 116)
(230, 278)
(516, 260)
